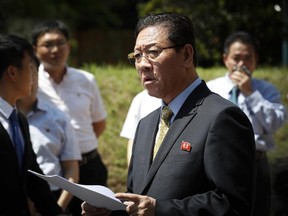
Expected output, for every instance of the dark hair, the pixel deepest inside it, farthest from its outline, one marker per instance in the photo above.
(180, 28)
(12, 51)
(242, 37)
(48, 26)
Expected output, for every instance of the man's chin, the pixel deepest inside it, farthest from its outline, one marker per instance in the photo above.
(153, 93)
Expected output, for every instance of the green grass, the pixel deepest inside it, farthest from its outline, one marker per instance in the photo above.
(119, 84)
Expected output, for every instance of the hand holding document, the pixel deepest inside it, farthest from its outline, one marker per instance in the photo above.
(95, 195)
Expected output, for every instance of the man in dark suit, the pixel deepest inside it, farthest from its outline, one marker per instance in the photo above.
(206, 162)
(17, 186)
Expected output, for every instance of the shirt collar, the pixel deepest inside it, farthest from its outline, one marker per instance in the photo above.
(38, 106)
(5, 108)
(229, 81)
(47, 75)
(177, 103)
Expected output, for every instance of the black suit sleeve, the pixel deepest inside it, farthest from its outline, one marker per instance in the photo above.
(119, 213)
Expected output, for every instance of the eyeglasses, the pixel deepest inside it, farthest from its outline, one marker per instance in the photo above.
(149, 54)
(51, 44)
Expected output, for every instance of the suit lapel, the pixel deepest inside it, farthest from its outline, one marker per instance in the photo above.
(26, 138)
(150, 140)
(184, 116)
(7, 148)
(6, 142)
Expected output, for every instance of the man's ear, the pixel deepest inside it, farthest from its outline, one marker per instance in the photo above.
(11, 72)
(224, 57)
(188, 54)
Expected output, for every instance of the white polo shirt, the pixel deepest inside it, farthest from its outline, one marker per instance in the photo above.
(142, 104)
(78, 95)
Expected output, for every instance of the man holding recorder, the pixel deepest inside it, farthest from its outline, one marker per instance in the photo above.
(258, 99)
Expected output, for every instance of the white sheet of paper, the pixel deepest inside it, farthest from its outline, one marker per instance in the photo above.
(95, 195)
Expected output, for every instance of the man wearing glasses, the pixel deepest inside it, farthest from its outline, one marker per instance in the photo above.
(75, 92)
(205, 163)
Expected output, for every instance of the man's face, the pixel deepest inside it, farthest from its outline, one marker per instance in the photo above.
(240, 54)
(24, 77)
(162, 75)
(52, 49)
(34, 87)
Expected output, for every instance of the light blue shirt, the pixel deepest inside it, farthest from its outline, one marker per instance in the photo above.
(263, 108)
(177, 102)
(53, 138)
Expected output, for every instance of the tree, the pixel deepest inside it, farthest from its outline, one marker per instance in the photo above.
(79, 15)
(214, 20)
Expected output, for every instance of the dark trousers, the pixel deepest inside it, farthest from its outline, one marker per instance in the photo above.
(94, 172)
(280, 186)
(263, 186)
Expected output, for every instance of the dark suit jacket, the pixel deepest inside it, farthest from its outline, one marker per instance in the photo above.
(215, 177)
(17, 185)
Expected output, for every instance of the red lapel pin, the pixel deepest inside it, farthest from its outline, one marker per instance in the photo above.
(185, 146)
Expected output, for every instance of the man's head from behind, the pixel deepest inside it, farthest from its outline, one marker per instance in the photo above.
(12, 51)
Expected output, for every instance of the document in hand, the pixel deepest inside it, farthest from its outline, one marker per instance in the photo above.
(95, 195)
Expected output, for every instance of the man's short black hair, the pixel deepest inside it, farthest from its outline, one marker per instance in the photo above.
(180, 28)
(12, 51)
(49, 26)
(243, 37)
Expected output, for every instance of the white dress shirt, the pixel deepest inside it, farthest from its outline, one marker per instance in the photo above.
(79, 96)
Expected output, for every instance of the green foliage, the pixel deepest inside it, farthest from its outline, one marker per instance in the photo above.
(79, 15)
(119, 84)
(214, 20)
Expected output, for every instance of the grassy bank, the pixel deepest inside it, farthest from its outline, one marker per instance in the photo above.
(119, 84)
